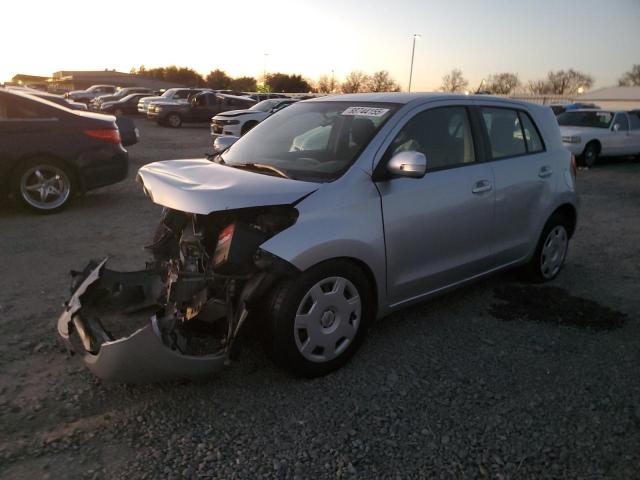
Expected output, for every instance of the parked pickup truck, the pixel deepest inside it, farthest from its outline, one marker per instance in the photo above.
(201, 108)
(171, 95)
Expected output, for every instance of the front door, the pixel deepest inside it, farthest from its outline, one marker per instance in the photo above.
(437, 228)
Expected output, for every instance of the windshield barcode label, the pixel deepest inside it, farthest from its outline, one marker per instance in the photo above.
(366, 111)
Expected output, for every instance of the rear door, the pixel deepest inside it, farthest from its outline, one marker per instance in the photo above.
(634, 132)
(438, 228)
(622, 139)
(524, 178)
(26, 127)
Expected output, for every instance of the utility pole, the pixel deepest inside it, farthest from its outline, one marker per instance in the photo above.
(413, 51)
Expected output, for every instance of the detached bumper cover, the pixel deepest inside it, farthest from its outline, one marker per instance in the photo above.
(141, 357)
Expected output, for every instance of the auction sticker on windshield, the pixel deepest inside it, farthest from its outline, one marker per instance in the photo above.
(366, 111)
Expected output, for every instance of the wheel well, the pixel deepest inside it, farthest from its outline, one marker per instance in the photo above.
(370, 277)
(568, 211)
(247, 126)
(594, 142)
(75, 178)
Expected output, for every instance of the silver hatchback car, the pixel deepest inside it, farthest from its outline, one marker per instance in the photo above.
(330, 213)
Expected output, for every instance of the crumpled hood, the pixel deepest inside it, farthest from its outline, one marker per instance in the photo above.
(200, 186)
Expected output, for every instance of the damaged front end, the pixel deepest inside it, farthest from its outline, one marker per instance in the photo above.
(181, 316)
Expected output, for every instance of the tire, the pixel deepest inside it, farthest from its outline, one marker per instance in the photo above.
(45, 185)
(118, 112)
(247, 126)
(173, 120)
(590, 154)
(309, 342)
(551, 251)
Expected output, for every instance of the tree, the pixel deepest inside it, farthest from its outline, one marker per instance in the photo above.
(502, 83)
(281, 82)
(218, 80)
(382, 82)
(454, 81)
(326, 84)
(181, 75)
(244, 84)
(539, 87)
(631, 78)
(567, 82)
(355, 82)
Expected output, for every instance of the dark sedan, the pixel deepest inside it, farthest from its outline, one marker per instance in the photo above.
(48, 153)
(126, 105)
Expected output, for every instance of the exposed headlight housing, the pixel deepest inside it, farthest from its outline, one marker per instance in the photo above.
(571, 139)
(228, 122)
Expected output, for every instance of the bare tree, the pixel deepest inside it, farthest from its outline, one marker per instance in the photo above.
(567, 82)
(502, 83)
(355, 82)
(326, 84)
(382, 82)
(539, 87)
(454, 81)
(631, 78)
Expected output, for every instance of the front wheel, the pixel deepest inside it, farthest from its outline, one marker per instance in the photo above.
(44, 185)
(590, 154)
(174, 120)
(320, 318)
(551, 251)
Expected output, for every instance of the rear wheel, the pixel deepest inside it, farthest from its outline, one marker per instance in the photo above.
(44, 185)
(118, 112)
(174, 120)
(320, 318)
(590, 154)
(551, 251)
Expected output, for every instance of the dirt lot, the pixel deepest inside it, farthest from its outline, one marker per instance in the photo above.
(497, 380)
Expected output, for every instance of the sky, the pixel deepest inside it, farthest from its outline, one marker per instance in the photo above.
(315, 37)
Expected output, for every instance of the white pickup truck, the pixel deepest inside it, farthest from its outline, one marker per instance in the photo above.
(589, 134)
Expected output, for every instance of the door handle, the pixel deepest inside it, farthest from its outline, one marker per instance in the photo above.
(545, 171)
(481, 186)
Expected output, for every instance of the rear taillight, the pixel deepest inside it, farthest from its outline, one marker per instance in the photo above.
(574, 166)
(110, 136)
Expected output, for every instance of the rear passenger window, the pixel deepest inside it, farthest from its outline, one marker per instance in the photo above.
(634, 119)
(531, 135)
(442, 134)
(505, 132)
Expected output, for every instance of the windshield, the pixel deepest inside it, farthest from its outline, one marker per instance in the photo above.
(265, 105)
(592, 119)
(315, 141)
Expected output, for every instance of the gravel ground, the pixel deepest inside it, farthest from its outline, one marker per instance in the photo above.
(496, 380)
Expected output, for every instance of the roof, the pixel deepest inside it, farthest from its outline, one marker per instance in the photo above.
(405, 98)
(613, 93)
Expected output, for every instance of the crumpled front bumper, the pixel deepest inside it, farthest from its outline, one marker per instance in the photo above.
(141, 357)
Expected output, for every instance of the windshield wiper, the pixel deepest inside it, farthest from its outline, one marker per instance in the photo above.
(260, 167)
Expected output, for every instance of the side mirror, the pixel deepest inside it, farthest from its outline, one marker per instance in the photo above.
(616, 127)
(408, 164)
(220, 144)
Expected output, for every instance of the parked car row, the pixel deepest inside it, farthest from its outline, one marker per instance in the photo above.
(239, 122)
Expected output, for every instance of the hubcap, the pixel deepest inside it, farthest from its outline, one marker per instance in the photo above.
(174, 120)
(45, 187)
(327, 319)
(553, 251)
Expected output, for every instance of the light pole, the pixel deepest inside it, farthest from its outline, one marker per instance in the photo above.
(413, 51)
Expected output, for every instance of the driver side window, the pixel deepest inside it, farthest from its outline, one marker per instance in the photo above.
(442, 134)
(621, 119)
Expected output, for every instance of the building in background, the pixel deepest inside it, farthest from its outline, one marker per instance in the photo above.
(614, 98)
(65, 80)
